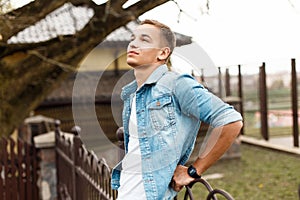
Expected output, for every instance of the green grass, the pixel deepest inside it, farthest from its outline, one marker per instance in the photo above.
(259, 174)
(273, 132)
(251, 129)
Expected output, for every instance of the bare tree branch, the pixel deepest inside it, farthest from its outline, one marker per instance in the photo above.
(63, 66)
(19, 19)
(44, 65)
(117, 4)
(181, 11)
(143, 6)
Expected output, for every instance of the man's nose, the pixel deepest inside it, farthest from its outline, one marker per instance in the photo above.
(133, 44)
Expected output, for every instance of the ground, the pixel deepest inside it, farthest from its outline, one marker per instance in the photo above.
(259, 174)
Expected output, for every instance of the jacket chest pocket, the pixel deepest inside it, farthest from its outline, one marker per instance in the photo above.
(161, 111)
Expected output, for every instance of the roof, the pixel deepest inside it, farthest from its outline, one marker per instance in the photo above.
(68, 19)
(38, 119)
(121, 36)
(65, 20)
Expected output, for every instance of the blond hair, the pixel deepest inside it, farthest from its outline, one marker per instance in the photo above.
(166, 32)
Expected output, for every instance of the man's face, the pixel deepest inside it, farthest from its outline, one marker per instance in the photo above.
(145, 46)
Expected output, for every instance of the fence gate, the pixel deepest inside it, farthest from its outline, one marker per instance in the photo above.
(19, 169)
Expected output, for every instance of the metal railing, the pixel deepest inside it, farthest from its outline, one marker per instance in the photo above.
(81, 175)
(211, 192)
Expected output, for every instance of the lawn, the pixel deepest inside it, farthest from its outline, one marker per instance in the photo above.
(259, 174)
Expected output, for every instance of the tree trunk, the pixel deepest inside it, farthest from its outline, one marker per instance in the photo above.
(29, 72)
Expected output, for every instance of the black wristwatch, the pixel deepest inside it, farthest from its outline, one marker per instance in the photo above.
(193, 172)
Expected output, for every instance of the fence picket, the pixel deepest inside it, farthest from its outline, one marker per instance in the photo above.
(13, 170)
(1, 176)
(1, 171)
(6, 170)
(28, 177)
(21, 182)
(18, 170)
(87, 171)
(34, 163)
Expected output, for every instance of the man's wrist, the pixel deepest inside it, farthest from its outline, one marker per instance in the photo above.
(192, 172)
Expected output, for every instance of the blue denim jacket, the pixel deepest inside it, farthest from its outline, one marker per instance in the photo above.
(169, 109)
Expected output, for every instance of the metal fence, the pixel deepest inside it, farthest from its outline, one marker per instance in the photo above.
(212, 193)
(19, 170)
(80, 174)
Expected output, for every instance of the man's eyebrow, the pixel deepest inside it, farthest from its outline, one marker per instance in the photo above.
(146, 35)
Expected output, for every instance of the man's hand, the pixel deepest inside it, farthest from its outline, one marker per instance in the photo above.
(180, 178)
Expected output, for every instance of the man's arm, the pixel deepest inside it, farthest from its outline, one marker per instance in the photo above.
(219, 141)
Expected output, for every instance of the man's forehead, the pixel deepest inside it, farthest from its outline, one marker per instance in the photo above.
(147, 29)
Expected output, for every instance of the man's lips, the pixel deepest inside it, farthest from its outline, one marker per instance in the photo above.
(132, 53)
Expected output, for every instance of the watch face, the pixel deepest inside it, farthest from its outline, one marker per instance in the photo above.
(193, 172)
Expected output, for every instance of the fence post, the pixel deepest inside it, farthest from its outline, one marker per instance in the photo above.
(57, 160)
(295, 104)
(220, 83)
(76, 146)
(202, 76)
(227, 83)
(263, 102)
(240, 94)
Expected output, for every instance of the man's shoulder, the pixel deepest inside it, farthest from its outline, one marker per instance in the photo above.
(128, 89)
(172, 77)
(168, 79)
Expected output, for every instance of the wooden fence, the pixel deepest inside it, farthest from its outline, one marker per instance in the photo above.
(19, 170)
(263, 98)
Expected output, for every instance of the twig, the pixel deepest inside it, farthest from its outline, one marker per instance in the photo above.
(182, 11)
(293, 6)
(63, 66)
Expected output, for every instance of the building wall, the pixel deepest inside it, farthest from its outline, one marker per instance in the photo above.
(101, 59)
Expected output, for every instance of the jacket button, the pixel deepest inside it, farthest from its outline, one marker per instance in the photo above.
(157, 103)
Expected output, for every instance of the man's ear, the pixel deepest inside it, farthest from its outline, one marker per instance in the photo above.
(164, 53)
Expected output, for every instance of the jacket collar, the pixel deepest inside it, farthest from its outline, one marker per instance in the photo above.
(156, 74)
(152, 79)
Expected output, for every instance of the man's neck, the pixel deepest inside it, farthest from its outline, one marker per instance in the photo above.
(143, 72)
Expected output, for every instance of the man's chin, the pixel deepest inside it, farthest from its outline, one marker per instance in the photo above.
(132, 63)
(132, 66)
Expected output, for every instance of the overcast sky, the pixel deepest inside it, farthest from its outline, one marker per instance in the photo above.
(235, 32)
(245, 32)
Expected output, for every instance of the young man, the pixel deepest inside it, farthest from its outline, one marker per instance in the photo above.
(161, 118)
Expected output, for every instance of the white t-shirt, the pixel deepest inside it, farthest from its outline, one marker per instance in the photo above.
(131, 180)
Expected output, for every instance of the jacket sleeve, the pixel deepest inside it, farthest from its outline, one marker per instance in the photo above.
(196, 101)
